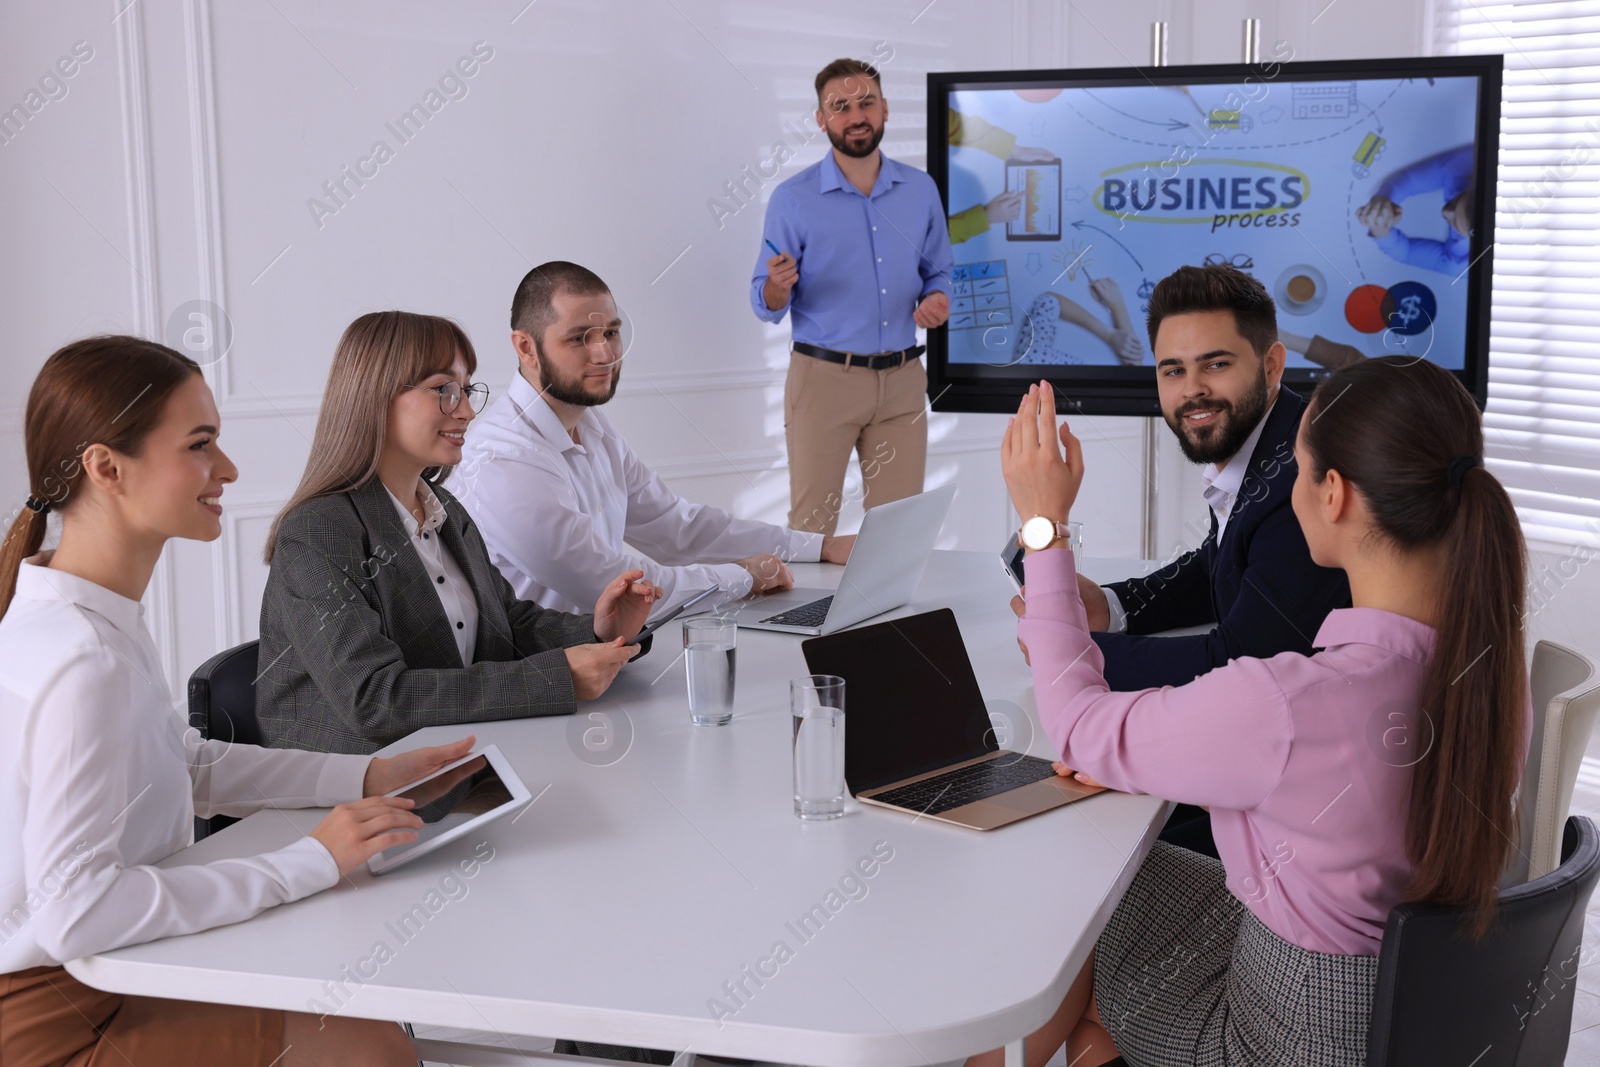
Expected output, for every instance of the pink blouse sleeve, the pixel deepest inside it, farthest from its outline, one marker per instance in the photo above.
(1221, 740)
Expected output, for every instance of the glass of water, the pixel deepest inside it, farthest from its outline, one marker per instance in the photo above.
(816, 703)
(709, 646)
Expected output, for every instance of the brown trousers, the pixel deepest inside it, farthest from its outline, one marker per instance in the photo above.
(50, 1019)
(830, 410)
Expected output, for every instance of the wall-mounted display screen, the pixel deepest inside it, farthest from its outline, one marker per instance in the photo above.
(1361, 194)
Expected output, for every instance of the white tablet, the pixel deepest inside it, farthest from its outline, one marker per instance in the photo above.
(453, 801)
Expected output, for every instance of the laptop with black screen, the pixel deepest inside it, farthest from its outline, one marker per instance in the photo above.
(917, 733)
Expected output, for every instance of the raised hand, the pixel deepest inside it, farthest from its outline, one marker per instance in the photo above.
(1042, 474)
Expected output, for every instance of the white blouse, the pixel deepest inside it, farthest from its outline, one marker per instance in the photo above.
(101, 777)
(460, 603)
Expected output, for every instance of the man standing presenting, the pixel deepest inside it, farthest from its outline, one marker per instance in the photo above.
(858, 248)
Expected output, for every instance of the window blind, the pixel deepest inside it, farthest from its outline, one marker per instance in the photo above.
(1543, 419)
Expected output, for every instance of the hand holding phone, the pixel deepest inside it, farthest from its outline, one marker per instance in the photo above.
(1011, 558)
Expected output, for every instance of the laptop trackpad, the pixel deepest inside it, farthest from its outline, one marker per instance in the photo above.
(772, 603)
(1036, 796)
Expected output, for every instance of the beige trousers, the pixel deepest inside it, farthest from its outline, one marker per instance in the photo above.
(830, 410)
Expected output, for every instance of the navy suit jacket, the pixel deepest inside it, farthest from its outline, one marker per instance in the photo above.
(1257, 584)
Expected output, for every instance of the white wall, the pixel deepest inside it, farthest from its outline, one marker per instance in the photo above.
(179, 164)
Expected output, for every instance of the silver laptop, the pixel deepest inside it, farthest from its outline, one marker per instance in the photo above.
(920, 738)
(885, 566)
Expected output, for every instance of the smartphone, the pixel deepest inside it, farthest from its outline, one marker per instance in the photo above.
(673, 614)
(1011, 559)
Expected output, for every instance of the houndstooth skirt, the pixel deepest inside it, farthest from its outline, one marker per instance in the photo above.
(1186, 975)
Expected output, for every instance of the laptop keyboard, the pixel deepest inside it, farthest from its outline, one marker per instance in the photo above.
(811, 614)
(933, 796)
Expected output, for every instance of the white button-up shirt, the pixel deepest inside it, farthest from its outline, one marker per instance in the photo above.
(102, 777)
(444, 573)
(1221, 491)
(1222, 486)
(560, 516)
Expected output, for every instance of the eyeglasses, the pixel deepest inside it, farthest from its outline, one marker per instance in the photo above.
(450, 395)
(1239, 260)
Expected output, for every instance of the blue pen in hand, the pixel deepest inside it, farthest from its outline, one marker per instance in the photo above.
(774, 249)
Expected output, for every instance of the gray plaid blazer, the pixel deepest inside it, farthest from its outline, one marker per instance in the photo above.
(356, 651)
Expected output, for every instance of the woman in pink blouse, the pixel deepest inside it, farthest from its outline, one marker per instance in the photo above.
(1340, 784)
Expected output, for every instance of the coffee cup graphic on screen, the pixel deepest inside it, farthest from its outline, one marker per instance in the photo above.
(1300, 290)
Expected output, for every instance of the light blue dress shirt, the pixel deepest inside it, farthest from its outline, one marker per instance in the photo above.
(865, 261)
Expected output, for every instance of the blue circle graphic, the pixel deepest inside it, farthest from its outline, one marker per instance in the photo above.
(1409, 308)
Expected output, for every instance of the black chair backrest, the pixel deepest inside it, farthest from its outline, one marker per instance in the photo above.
(1504, 1001)
(222, 706)
(222, 696)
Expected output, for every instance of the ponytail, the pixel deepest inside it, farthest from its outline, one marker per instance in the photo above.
(23, 540)
(1461, 828)
(1409, 438)
(108, 390)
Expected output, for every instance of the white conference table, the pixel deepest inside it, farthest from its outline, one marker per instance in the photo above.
(660, 867)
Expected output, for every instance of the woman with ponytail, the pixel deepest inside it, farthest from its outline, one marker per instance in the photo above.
(99, 781)
(1377, 770)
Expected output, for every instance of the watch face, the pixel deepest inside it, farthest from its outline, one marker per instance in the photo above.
(1038, 532)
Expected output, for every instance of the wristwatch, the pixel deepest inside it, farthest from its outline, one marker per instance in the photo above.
(1038, 533)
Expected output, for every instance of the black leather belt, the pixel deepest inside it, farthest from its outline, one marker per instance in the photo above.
(876, 361)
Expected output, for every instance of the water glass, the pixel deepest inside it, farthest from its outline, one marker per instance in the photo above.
(709, 647)
(1075, 539)
(816, 703)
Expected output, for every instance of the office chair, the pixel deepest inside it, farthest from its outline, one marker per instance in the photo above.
(1566, 698)
(1505, 1001)
(222, 706)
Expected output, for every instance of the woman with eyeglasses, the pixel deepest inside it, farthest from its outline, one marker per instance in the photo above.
(382, 612)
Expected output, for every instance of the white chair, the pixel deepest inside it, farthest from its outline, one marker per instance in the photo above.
(1566, 698)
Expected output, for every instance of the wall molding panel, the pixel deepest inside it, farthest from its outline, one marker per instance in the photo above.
(139, 176)
(201, 78)
(234, 616)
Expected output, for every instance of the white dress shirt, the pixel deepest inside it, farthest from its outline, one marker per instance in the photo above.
(1221, 492)
(1222, 486)
(103, 777)
(559, 516)
(460, 603)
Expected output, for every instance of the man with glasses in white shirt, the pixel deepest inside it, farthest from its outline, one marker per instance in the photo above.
(562, 500)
